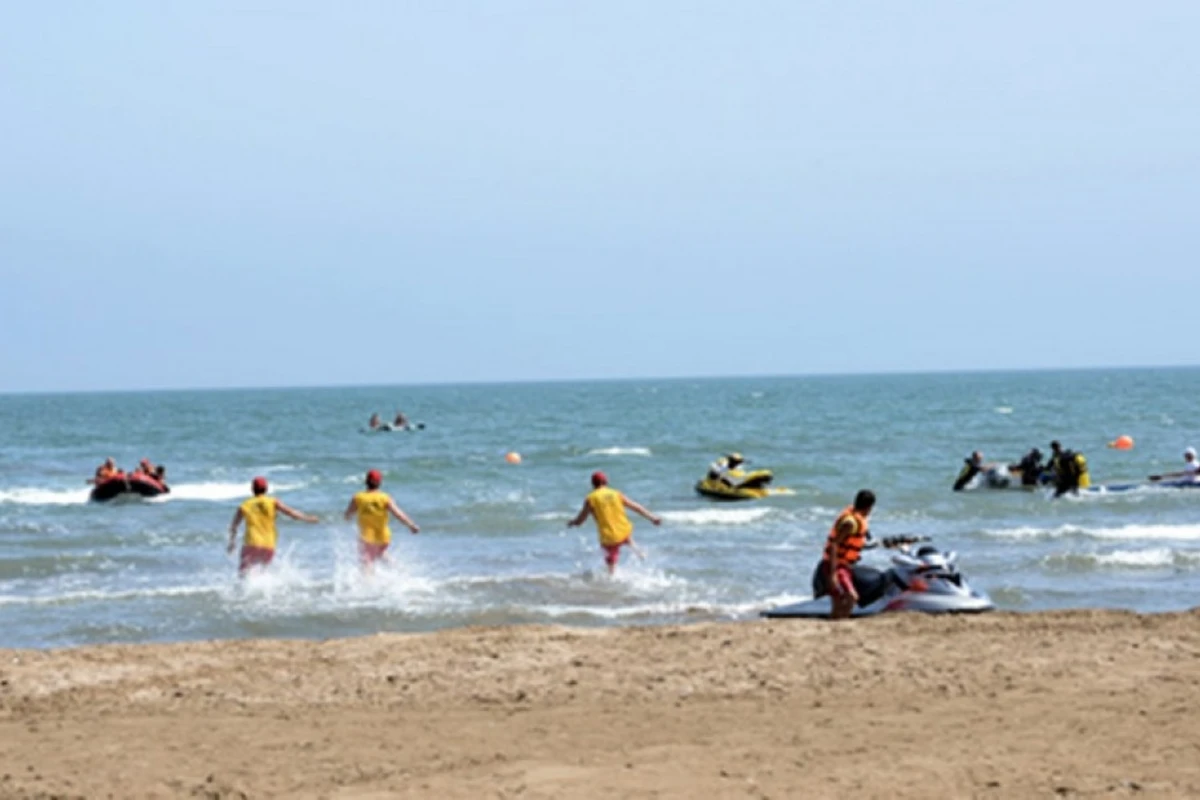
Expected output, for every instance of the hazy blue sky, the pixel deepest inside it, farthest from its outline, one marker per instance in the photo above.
(281, 193)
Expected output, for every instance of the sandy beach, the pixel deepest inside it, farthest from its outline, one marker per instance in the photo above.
(1076, 704)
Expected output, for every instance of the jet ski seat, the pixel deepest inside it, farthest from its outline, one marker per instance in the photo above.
(869, 582)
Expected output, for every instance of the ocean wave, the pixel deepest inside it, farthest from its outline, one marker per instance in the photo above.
(102, 595)
(1182, 533)
(788, 547)
(671, 608)
(45, 497)
(215, 491)
(1003, 409)
(1148, 558)
(716, 516)
(620, 451)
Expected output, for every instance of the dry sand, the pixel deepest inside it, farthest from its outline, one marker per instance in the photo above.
(1075, 704)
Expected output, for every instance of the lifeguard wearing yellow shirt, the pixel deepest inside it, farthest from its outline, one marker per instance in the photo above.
(258, 545)
(372, 508)
(612, 523)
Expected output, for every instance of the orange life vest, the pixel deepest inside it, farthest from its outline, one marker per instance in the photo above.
(850, 550)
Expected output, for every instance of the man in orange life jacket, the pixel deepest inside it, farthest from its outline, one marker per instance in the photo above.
(839, 574)
(258, 546)
(612, 523)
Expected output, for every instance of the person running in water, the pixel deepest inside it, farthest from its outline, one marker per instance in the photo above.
(372, 507)
(258, 545)
(612, 523)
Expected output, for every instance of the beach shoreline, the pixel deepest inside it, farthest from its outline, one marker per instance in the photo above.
(1066, 703)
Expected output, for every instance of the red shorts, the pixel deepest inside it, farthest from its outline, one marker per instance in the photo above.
(843, 582)
(254, 557)
(369, 553)
(612, 552)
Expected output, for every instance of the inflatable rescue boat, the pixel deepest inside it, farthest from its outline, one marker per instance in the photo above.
(133, 485)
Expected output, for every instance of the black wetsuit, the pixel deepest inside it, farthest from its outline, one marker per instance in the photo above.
(1031, 469)
(1066, 472)
(968, 472)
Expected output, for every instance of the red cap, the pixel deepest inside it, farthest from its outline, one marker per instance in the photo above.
(259, 484)
(599, 479)
(374, 477)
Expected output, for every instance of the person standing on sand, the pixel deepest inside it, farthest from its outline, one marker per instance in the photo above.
(612, 523)
(847, 539)
(258, 546)
(372, 508)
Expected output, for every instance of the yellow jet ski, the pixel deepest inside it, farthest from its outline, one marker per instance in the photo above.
(749, 486)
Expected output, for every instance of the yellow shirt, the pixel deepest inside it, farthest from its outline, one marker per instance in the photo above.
(612, 522)
(372, 507)
(259, 512)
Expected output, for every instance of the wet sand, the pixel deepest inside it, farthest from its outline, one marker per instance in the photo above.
(1062, 704)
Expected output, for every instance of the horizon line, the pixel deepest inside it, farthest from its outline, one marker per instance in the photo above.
(627, 379)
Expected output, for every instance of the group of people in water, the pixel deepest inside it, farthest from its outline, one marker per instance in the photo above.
(145, 469)
(1066, 470)
(399, 421)
(839, 573)
(373, 509)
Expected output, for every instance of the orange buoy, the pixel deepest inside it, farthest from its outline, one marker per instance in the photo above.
(513, 458)
(1122, 443)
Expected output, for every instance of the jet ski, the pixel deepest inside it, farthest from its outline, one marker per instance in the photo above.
(925, 579)
(130, 485)
(749, 486)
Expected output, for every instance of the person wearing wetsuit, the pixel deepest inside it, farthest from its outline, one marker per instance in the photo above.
(972, 467)
(1070, 470)
(1030, 467)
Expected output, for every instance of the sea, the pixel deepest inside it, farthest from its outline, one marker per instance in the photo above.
(494, 547)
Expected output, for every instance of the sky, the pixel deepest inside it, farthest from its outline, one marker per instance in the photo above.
(288, 193)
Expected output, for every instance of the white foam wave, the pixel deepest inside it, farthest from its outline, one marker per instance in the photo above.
(1003, 409)
(45, 497)
(216, 491)
(669, 608)
(621, 451)
(1181, 533)
(100, 595)
(1151, 557)
(716, 516)
(1146, 558)
(788, 547)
